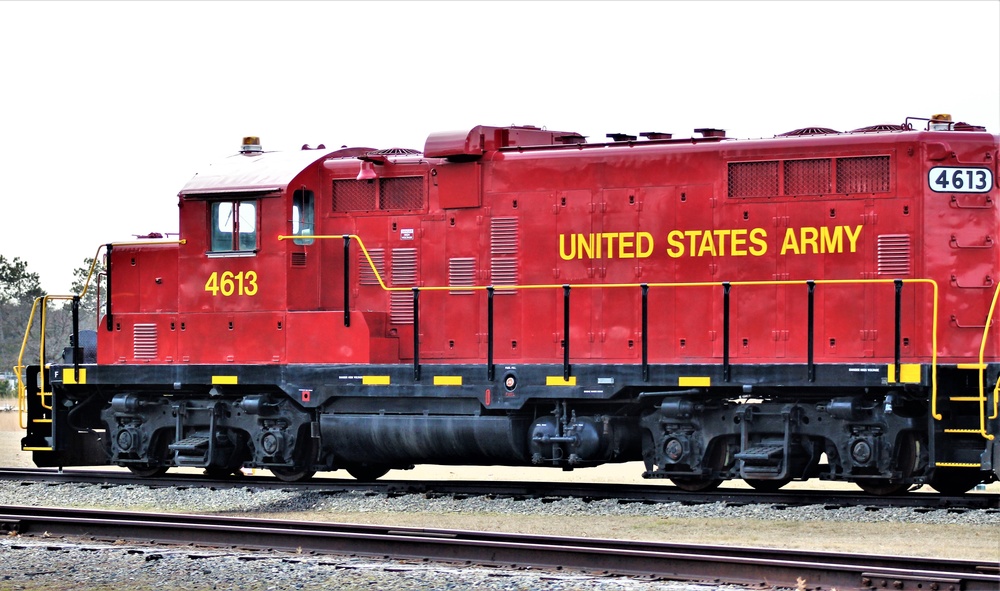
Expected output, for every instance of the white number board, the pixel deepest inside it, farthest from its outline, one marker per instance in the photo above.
(955, 179)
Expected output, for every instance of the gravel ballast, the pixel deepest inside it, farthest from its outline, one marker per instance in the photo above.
(34, 562)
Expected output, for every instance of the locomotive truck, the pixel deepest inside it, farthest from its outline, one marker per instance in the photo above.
(818, 304)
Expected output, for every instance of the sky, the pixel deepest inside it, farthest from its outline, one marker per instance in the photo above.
(108, 108)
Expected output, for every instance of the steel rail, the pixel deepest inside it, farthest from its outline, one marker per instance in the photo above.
(623, 493)
(686, 562)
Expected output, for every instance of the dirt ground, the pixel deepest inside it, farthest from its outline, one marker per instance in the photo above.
(894, 538)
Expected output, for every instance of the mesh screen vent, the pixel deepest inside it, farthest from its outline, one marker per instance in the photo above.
(401, 193)
(867, 174)
(753, 179)
(353, 195)
(894, 254)
(298, 259)
(807, 177)
(144, 341)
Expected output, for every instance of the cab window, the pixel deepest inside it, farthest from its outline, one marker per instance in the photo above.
(234, 226)
(302, 216)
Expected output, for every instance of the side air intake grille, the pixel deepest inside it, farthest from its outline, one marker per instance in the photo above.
(503, 248)
(404, 273)
(868, 174)
(352, 195)
(894, 254)
(144, 341)
(462, 272)
(366, 276)
(401, 193)
(807, 177)
(753, 179)
(855, 175)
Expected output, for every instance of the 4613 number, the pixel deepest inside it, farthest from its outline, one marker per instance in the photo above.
(954, 179)
(227, 283)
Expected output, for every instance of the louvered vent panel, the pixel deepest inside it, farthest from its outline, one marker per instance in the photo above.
(353, 195)
(401, 193)
(298, 259)
(503, 236)
(867, 174)
(753, 179)
(503, 248)
(401, 307)
(461, 271)
(504, 272)
(404, 266)
(807, 177)
(366, 276)
(894, 254)
(144, 341)
(404, 273)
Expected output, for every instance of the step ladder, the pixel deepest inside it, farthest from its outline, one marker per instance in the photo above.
(192, 451)
(962, 439)
(35, 410)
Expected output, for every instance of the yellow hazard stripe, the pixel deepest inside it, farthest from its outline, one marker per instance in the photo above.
(447, 380)
(560, 381)
(71, 376)
(909, 373)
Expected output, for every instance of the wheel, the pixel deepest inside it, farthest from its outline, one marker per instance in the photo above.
(696, 484)
(767, 485)
(291, 474)
(147, 471)
(907, 460)
(882, 487)
(955, 481)
(368, 473)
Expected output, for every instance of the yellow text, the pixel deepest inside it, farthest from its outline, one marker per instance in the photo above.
(737, 243)
(823, 240)
(610, 245)
(228, 283)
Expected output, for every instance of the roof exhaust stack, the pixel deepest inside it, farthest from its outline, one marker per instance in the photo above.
(711, 132)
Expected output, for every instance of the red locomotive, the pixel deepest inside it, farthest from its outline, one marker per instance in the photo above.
(819, 304)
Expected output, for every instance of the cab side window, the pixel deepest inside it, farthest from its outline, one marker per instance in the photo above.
(234, 226)
(303, 216)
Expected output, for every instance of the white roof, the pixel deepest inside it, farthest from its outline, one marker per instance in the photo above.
(253, 172)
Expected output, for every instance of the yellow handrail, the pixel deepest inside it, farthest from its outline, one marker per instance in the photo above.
(22, 388)
(931, 282)
(982, 362)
